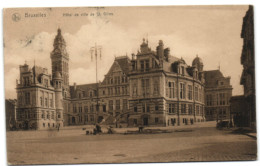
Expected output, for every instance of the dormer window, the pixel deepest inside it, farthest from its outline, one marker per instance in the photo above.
(182, 70)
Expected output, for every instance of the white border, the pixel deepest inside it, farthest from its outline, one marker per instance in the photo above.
(78, 3)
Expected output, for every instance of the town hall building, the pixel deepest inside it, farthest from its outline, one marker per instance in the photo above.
(153, 88)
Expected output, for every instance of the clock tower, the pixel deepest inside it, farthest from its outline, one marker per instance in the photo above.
(60, 62)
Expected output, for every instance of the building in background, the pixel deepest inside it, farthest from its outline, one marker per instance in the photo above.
(248, 62)
(10, 113)
(153, 88)
(164, 90)
(239, 114)
(218, 92)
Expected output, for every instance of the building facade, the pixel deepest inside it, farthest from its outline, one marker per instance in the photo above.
(248, 62)
(152, 88)
(218, 92)
(10, 114)
(164, 90)
(239, 114)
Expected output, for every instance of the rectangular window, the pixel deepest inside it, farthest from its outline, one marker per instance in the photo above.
(156, 86)
(86, 118)
(147, 108)
(156, 120)
(156, 107)
(135, 108)
(196, 93)
(117, 104)
(27, 98)
(135, 121)
(143, 107)
(46, 102)
(91, 118)
(80, 108)
(92, 108)
(52, 115)
(190, 92)
(110, 105)
(142, 66)
(182, 90)
(183, 108)
(146, 86)
(147, 65)
(171, 108)
(74, 108)
(182, 70)
(171, 89)
(104, 108)
(190, 109)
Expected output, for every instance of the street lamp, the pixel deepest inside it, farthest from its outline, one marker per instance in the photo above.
(95, 51)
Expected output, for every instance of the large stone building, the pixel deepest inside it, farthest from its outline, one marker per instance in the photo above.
(218, 92)
(153, 88)
(164, 90)
(248, 62)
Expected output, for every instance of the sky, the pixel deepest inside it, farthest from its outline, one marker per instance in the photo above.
(211, 32)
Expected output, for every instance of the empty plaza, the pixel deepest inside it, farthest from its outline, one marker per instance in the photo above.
(200, 142)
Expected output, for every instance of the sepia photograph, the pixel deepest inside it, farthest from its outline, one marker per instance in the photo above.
(136, 84)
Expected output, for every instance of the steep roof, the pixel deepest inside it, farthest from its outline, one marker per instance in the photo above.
(83, 87)
(123, 62)
(211, 77)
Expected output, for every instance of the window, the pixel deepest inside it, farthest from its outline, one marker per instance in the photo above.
(183, 108)
(156, 86)
(92, 108)
(86, 118)
(147, 66)
(43, 115)
(110, 105)
(91, 118)
(156, 107)
(146, 86)
(46, 102)
(143, 107)
(156, 120)
(197, 110)
(182, 90)
(74, 108)
(171, 108)
(190, 109)
(80, 108)
(142, 66)
(182, 70)
(48, 115)
(27, 98)
(135, 121)
(134, 90)
(117, 104)
(147, 108)
(104, 108)
(59, 116)
(43, 124)
(51, 102)
(171, 90)
(52, 115)
(196, 93)
(135, 108)
(190, 92)
(41, 101)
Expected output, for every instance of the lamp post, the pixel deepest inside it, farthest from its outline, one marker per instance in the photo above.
(95, 51)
